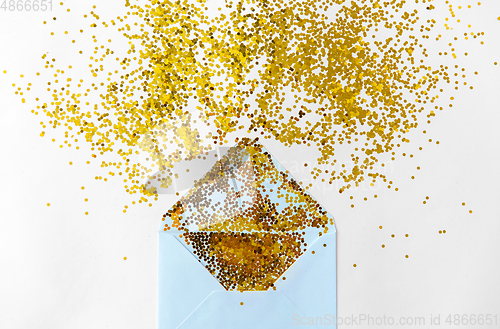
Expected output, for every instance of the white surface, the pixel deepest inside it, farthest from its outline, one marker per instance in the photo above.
(62, 269)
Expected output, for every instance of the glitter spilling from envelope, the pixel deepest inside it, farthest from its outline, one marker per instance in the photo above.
(247, 220)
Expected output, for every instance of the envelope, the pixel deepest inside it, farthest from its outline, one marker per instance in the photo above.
(274, 283)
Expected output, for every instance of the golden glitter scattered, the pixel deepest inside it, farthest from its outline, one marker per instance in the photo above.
(364, 93)
(334, 75)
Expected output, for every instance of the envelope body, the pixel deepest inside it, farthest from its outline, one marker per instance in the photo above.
(190, 297)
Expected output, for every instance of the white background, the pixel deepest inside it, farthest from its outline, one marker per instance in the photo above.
(62, 269)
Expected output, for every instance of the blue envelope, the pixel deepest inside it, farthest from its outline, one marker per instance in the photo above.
(190, 296)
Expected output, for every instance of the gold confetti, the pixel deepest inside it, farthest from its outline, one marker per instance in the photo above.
(288, 71)
(345, 115)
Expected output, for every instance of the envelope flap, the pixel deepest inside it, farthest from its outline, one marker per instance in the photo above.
(269, 309)
(247, 220)
(247, 190)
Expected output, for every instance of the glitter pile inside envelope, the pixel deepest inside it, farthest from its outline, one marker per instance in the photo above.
(247, 221)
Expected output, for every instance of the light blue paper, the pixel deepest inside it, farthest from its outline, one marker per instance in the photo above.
(190, 297)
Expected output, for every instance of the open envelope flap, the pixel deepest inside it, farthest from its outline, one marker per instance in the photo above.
(187, 172)
(260, 310)
(183, 283)
(311, 282)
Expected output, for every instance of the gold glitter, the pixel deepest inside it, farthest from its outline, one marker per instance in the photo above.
(359, 80)
(351, 108)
